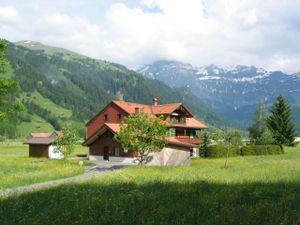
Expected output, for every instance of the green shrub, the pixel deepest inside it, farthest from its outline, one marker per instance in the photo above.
(220, 150)
(261, 150)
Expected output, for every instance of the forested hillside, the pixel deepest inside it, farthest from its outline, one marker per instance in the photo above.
(59, 86)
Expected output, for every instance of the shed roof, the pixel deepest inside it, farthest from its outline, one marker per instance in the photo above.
(43, 138)
(39, 141)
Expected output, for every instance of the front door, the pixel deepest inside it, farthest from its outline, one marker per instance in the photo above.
(106, 153)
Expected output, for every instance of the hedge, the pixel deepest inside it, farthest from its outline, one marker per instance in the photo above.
(220, 151)
(261, 150)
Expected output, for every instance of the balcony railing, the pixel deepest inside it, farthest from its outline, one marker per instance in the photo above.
(177, 121)
(188, 139)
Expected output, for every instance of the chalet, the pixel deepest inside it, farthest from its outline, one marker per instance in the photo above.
(182, 140)
(40, 145)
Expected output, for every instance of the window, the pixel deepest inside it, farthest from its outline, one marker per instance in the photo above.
(192, 134)
(191, 152)
(125, 150)
(106, 134)
(117, 151)
(105, 117)
(171, 132)
(119, 116)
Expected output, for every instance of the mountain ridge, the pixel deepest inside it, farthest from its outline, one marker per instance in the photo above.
(232, 92)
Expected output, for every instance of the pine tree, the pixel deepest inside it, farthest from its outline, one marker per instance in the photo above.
(280, 122)
(204, 144)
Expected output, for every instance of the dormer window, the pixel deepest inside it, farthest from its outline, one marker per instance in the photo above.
(105, 117)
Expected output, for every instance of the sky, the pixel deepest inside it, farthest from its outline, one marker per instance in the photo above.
(263, 33)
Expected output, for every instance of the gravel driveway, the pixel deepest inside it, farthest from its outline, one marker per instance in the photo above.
(100, 169)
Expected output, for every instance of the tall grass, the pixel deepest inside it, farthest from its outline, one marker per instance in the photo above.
(17, 169)
(251, 190)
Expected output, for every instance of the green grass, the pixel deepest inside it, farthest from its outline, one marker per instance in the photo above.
(17, 169)
(45, 103)
(36, 125)
(252, 190)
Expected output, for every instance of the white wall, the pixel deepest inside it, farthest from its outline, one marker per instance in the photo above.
(171, 156)
(174, 156)
(54, 153)
(195, 152)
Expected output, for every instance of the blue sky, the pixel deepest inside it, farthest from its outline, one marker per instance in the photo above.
(222, 32)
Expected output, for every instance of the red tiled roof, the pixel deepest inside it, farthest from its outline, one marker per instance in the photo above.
(115, 127)
(130, 107)
(165, 108)
(190, 123)
(40, 135)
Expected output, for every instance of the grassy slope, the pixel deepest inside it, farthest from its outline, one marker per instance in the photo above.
(46, 103)
(253, 190)
(17, 169)
(37, 124)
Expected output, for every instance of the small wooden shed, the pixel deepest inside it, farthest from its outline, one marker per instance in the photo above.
(40, 145)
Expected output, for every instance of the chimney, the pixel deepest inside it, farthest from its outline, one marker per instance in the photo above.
(136, 110)
(155, 101)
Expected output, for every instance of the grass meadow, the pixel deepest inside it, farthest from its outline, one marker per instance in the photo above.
(17, 169)
(258, 190)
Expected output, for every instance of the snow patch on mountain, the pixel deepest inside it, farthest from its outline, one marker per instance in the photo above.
(209, 78)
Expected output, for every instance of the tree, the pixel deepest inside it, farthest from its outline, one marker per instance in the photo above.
(280, 122)
(204, 144)
(143, 134)
(259, 132)
(66, 143)
(7, 86)
(232, 137)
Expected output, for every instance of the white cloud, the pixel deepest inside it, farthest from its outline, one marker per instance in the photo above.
(284, 63)
(74, 33)
(224, 32)
(9, 14)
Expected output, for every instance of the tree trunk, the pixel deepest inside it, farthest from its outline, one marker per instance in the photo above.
(226, 158)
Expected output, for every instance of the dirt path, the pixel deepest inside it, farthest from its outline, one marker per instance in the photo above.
(92, 172)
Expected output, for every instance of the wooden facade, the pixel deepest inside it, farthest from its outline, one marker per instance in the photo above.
(102, 127)
(110, 114)
(39, 151)
(106, 146)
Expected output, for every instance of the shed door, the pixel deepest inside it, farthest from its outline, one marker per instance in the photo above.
(106, 153)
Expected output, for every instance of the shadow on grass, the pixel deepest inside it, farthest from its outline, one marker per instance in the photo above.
(156, 203)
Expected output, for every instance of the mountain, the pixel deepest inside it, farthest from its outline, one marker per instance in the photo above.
(235, 92)
(59, 86)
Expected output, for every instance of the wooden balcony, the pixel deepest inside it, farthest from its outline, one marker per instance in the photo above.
(187, 139)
